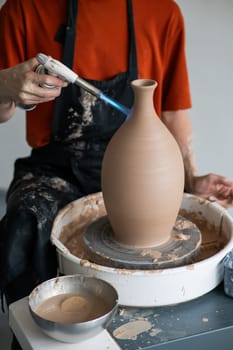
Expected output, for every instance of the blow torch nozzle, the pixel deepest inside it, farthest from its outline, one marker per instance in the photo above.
(58, 69)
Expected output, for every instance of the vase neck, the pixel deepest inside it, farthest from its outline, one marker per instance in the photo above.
(143, 95)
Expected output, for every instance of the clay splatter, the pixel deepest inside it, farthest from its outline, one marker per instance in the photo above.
(76, 128)
(132, 329)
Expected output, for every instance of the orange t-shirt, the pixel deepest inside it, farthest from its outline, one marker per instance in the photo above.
(28, 27)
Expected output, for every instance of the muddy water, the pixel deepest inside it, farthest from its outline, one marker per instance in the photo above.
(73, 308)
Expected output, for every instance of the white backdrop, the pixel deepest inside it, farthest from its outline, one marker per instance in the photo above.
(209, 29)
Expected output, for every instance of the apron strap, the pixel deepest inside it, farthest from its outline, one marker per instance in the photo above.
(68, 57)
(68, 51)
(132, 63)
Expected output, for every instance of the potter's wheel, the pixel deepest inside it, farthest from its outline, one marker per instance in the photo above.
(102, 248)
(150, 287)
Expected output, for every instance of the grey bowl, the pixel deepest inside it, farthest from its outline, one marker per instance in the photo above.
(73, 332)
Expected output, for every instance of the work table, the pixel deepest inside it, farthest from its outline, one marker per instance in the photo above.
(203, 323)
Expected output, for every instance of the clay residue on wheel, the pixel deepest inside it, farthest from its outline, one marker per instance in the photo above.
(71, 233)
(213, 238)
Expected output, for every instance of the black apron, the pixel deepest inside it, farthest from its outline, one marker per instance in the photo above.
(66, 169)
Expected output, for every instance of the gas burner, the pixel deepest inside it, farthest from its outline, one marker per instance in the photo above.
(180, 249)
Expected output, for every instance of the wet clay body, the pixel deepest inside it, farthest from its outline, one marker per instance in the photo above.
(142, 175)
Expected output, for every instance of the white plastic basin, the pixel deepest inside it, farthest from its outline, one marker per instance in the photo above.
(147, 288)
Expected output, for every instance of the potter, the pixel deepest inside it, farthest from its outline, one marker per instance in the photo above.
(142, 175)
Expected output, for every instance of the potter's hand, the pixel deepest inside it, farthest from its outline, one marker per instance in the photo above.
(215, 188)
(21, 84)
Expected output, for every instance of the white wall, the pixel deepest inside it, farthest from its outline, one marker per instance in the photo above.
(209, 28)
(12, 146)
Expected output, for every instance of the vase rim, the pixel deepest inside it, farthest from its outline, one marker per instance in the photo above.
(144, 83)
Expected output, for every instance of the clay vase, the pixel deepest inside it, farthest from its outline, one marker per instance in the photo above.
(142, 175)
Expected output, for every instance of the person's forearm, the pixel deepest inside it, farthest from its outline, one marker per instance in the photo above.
(7, 109)
(7, 105)
(179, 124)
